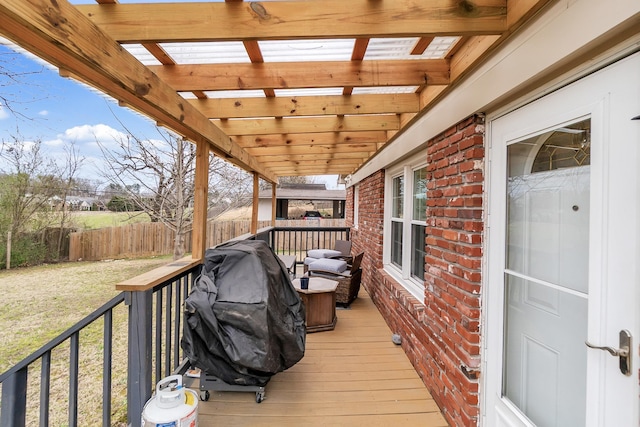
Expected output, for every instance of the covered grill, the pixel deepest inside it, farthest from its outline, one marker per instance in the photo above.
(244, 319)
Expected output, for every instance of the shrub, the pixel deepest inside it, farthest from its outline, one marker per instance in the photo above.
(26, 250)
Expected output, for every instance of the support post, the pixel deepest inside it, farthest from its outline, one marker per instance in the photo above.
(273, 204)
(14, 399)
(139, 385)
(200, 203)
(254, 205)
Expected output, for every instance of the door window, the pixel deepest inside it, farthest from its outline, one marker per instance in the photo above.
(546, 275)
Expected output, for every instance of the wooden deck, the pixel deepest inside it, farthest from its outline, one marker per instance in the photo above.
(351, 376)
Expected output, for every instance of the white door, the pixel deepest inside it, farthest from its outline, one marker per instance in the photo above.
(563, 257)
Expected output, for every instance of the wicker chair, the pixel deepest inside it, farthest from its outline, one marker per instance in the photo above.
(342, 250)
(348, 280)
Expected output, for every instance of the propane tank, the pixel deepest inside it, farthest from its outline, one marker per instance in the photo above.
(171, 406)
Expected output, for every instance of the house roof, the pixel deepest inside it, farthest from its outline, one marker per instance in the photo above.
(280, 88)
(309, 192)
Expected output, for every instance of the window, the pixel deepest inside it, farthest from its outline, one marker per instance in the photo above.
(405, 225)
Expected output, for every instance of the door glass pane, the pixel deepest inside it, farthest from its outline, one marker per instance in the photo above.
(398, 197)
(396, 243)
(420, 194)
(546, 280)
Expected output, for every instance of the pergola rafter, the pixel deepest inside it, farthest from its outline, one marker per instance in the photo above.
(358, 102)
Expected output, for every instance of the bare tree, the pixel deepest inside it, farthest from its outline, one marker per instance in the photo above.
(29, 182)
(158, 176)
(68, 173)
(31, 186)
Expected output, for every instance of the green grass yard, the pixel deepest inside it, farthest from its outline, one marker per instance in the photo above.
(39, 303)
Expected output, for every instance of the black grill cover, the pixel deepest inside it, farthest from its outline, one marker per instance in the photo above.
(244, 319)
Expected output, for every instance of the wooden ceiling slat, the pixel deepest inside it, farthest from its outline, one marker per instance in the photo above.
(253, 50)
(159, 53)
(285, 75)
(322, 138)
(286, 162)
(234, 127)
(348, 157)
(421, 45)
(173, 22)
(354, 150)
(359, 49)
(68, 40)
(307, 105)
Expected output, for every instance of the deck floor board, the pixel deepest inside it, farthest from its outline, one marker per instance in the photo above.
(351, 376)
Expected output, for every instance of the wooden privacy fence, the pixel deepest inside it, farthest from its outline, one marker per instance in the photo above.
(154, 239)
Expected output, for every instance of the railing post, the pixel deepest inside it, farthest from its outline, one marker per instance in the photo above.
(139, 369)
(14, 399)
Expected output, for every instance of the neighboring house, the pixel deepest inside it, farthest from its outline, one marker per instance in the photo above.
(531, 232)
(76, 203)
(288, 193)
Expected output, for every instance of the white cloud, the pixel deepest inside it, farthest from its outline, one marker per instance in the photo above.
(44, 113)
(86, 133)
(3, 112)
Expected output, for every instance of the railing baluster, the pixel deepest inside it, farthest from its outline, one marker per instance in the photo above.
(45, 387)
(74, 363)
(158, 336)
(107, 354)
(176, 330)
(167, 331)
(14, 399)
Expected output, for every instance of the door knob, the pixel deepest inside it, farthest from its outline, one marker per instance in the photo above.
(623, 353)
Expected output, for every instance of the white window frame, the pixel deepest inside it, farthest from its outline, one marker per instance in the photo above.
(356, 204)
(402, 275)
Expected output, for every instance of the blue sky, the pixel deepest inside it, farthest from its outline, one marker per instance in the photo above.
(58, 110)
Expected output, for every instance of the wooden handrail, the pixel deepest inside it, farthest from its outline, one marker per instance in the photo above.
(150, 279)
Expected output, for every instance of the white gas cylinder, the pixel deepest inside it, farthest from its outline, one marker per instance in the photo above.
(171, 406)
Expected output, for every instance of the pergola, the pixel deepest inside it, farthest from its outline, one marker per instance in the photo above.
(278, 88)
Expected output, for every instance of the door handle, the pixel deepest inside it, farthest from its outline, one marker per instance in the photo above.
(623, 353)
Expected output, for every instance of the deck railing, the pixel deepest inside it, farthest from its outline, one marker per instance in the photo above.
(155, 322)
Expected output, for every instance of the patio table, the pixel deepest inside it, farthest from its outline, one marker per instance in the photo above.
(320, 303)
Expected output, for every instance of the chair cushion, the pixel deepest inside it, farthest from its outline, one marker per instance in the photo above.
(323, 253)
(326, 264)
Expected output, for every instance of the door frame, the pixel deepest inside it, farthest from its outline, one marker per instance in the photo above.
(569, 103)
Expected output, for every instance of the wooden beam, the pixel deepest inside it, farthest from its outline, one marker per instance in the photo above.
(307, 105)
(354, 150)
(255, 203)
(421, 45)
(330, 169)
(288, 75)
(352, 163)
(273, 204)
(322, 138)
(66, 39)
(359, 49)
(304, 125)
(201, 202)
(174, 22)
(305, 156)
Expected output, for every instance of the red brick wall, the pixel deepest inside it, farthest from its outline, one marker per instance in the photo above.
(440, 334)
(367, 237)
